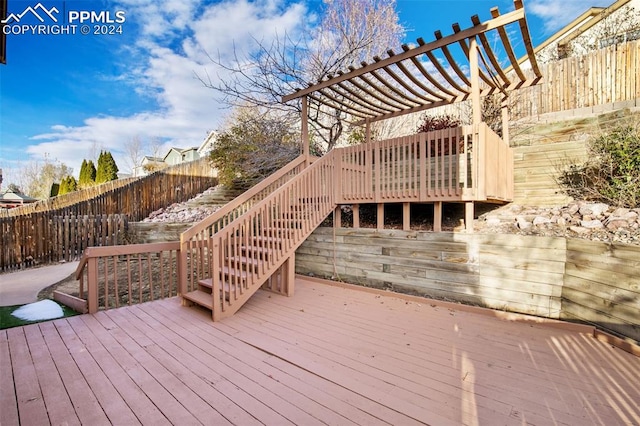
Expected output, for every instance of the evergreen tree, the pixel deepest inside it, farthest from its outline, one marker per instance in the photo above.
(68, 184)
(100, 172)
(87, 174)
(91, 173)
(107, 168)
(55, 189)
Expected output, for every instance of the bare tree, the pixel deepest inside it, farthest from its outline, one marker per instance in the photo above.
(351, 31)
(39, 176)
(134, 149)
(616, 27)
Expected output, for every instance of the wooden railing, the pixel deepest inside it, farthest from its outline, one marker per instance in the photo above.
(245, 253)
(125, 275)
(458, 164)
(201, 231)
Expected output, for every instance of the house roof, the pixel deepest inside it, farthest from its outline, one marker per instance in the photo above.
(432, 74)
(179, 151)
(16, 197)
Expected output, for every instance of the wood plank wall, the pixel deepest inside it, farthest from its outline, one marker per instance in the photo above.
(602, 286)
(544, 276)
(496, 271)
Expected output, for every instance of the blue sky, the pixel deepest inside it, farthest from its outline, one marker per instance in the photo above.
(71, 95)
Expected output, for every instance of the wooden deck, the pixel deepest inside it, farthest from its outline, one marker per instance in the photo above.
(328, 355)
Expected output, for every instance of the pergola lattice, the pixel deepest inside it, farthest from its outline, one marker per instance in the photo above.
(430, 75)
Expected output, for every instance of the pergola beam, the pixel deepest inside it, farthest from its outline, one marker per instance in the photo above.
(493, 24)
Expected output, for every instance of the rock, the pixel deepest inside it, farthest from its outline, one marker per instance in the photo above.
(561, 221)
(522, 223)
(594, 209)
(541, 220)
(573, 208)
(493, 221)
(579, 229)
(616, 224)
(591, 224)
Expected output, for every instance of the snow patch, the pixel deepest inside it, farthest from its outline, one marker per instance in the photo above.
(38, 311)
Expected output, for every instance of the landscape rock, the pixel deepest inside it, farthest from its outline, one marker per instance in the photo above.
(591, 224)
(541, 220)
(594, 209)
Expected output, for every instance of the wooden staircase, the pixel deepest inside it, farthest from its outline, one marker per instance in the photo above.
(257, 248)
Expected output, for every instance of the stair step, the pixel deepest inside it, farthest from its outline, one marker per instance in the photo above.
(200, 297)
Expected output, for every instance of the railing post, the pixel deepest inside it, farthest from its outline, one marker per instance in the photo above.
(218, 299)
(337, 175)
(92, 284)
(182, 267)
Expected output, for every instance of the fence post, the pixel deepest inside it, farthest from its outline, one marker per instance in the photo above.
(92, 284)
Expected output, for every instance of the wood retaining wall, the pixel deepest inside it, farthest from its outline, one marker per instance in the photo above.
(544, 276)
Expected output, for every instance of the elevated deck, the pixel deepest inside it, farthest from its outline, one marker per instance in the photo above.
(328, 355)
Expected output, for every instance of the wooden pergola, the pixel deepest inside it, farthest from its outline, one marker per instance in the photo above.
(467, 65)
(431, 74)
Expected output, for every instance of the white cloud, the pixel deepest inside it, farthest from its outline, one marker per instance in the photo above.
(557, 13)
(171, 50)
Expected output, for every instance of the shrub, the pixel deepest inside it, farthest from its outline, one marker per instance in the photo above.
(612, 172)
(252, 149)
(441, 122)
(437, 122)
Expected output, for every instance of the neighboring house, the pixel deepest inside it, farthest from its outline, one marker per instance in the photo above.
(177, 156)
(148, 165)
(11, 199)
(207, 144)
(596, 28)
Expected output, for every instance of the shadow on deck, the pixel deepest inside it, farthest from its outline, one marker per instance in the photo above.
(328, 355)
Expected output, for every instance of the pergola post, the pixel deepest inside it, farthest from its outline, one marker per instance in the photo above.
(305, 130)
(367, 131)
(476, 120)
(475, 81)
(505, 120)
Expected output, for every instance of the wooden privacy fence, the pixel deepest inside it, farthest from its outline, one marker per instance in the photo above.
(601, 77)
(135, 198)
(26, 237)
(40, 238)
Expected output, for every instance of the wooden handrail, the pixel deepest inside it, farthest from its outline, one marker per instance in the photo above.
(94, 252)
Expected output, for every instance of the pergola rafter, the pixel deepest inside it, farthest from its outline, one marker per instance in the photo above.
(402, 83)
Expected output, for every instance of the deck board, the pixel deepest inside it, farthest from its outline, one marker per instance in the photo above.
(328, 355)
